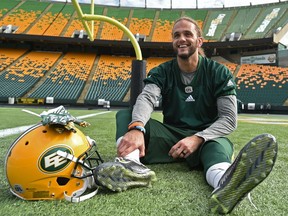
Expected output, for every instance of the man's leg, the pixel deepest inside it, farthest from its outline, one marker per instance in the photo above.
(252, 165)
(216, 156)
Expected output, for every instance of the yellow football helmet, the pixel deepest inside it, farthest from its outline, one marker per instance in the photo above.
(49, 162)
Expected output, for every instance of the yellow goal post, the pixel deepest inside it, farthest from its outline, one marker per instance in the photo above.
(89, 19)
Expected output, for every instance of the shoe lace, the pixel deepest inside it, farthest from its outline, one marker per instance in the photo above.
(124, 160)
(250, 200)
(118, 159)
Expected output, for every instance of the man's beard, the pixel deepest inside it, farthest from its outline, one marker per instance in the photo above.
(183, 56)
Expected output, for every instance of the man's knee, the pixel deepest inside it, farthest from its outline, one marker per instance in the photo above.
(214, 152)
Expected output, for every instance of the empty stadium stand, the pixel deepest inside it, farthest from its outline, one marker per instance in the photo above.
(67, 79)
(262, 84)
(141, 22)
(164, 24)
(17, 79)
(154, 61)
(76, 24)
(111, 79)
(218, 24)
(71, 75)
(52, 20)
(111, 32)
(23, 15)
(8, 56)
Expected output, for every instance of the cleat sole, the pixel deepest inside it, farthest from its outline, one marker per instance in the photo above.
(242, 176)
(117, 178)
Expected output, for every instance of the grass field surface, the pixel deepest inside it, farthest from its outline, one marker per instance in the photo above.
(178, 191)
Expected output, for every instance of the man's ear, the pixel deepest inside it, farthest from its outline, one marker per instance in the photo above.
(200, 41)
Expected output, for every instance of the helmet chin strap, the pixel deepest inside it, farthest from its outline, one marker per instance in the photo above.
(80, 198)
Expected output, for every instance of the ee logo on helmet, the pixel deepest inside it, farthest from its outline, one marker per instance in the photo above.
(50, 162)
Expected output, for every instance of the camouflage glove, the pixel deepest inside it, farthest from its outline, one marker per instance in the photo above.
(60, 116)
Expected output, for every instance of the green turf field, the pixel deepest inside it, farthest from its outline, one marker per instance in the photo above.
(178, 190)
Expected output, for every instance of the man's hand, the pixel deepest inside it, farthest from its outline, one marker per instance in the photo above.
(186, 146)
(131, 141)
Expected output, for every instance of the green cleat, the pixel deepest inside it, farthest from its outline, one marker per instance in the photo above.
(123, 174)
(252, 165)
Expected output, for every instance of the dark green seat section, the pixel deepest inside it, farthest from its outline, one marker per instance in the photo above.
(263, 85)
(86, 9)
(14, 88)
(117, 14)
(243, 19)
(110, 90)
(266, 20)
(270, 94)
(34, 6)
(198, 15)
(216, 23)
(6, 6)
(66, 92)
(144, 13)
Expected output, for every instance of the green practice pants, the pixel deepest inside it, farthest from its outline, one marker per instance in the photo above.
(160, 137)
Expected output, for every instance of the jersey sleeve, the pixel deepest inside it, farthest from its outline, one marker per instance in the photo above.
(155, 76)
(160, 74)
(224, 82)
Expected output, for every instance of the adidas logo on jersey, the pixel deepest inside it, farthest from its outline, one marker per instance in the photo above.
(230, 83)
(190, 99)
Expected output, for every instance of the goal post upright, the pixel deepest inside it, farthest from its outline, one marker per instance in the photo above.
(138, 72)
(92, 17)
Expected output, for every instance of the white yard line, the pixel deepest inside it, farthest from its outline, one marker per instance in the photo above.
(12, 131)
(258, 120)
(93, 114)
(21, 129)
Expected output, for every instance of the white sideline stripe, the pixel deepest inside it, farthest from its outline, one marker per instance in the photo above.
(12, 131)
(93, 114)
(21, 129)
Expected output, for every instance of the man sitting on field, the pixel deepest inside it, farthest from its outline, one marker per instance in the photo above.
(200, 109)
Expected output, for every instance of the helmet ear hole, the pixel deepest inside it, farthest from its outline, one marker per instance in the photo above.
(62, 180)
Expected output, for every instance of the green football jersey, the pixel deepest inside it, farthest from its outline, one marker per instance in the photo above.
(194, 105)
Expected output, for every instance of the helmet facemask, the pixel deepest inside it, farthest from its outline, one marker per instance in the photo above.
(84, 165)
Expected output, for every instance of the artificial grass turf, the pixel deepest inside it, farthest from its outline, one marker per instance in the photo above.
(178, 191)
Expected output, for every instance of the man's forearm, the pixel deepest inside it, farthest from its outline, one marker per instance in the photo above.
(227, 121)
